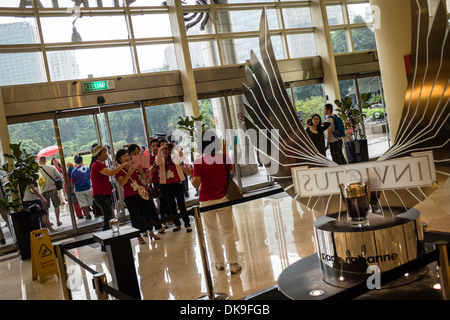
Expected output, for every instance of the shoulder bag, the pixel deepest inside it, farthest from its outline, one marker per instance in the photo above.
(233, 190)
(58, 181)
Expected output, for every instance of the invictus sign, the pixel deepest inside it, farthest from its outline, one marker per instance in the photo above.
(415, 171)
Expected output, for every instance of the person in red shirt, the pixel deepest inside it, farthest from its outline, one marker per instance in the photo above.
(101, 186)
(141, 210)
(210, 175)
(145, 175)
(170, 182)
(154, 172)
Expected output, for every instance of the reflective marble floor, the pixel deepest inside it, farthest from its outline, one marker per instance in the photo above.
(271, 233)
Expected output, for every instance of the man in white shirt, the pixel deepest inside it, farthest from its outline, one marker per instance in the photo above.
(335, 144)
(48, 188)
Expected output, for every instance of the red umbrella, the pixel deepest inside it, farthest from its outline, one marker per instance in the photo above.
(49, 151)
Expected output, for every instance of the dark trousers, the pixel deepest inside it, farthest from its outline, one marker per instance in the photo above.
(103, 201)
(163, 209)
(142, 212)
(336, 152)
(174, 194)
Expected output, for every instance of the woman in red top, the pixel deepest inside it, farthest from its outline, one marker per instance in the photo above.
(170, 182)
(210, 175)
(141, 210)
(101, 186)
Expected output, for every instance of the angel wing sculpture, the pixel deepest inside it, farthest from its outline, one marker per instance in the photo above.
(424, 127)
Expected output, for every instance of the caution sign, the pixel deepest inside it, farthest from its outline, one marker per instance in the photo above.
(43, 258)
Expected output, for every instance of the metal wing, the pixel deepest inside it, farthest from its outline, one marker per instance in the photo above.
(425, 118)
(270, 108)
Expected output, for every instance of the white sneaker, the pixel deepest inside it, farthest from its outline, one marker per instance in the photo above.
(220, 266)
(235, 268)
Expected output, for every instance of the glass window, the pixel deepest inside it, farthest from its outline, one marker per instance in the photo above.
(91, 63)
(302, 45)
(359, 13)
(244, 21)
(91, 3)
(18, 30)
(157, 57)
(21, 68)
(363, 39)
(297, 17)
(204, 54)
(249, 1)
(309, 100)
(339, 41)
(243, 47)
(375, 122)
(151, 25)
(35, 136)
(193, 27)
(90, 28)
(163, 119)
(334, 15)
(127, 127)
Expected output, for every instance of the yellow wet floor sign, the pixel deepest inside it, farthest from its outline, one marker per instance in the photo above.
(43, 258)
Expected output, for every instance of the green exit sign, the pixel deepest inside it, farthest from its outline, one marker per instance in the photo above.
(98, 85)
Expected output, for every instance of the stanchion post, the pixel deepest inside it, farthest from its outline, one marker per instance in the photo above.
(444, 267)
(99, 279)
(206, 269)
(62, 268)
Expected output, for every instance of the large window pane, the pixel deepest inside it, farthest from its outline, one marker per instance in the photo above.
(339, 41)
(18, 30)
(157, 57)
(204, 54)
(91, 3)
(302, 45)
(36, 136)
(363, 39)
(151, 25)
(126, 127)
(334, 15)
(243, 47)
(95, 28)
(163, 119)
(21, 68)
(359, 13)
(91, 63)
(244, 21)
(375, 122)
(297, 17)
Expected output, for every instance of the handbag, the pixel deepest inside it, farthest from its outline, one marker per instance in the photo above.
(233, 190)
(142, 192)
(58, 181)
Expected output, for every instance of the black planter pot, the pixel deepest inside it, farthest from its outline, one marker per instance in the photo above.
(357, 151)
(23, 223)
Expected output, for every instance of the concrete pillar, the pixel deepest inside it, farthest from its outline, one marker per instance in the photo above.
(183, 58)
(325, 50)
(392, 26)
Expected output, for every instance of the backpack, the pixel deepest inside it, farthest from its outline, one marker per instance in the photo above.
(339, 129)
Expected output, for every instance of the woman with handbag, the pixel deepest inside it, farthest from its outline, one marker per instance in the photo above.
(139, 203)
(210, 174)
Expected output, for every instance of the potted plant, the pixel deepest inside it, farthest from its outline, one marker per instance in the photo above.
(353, 116)
(21, 170)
